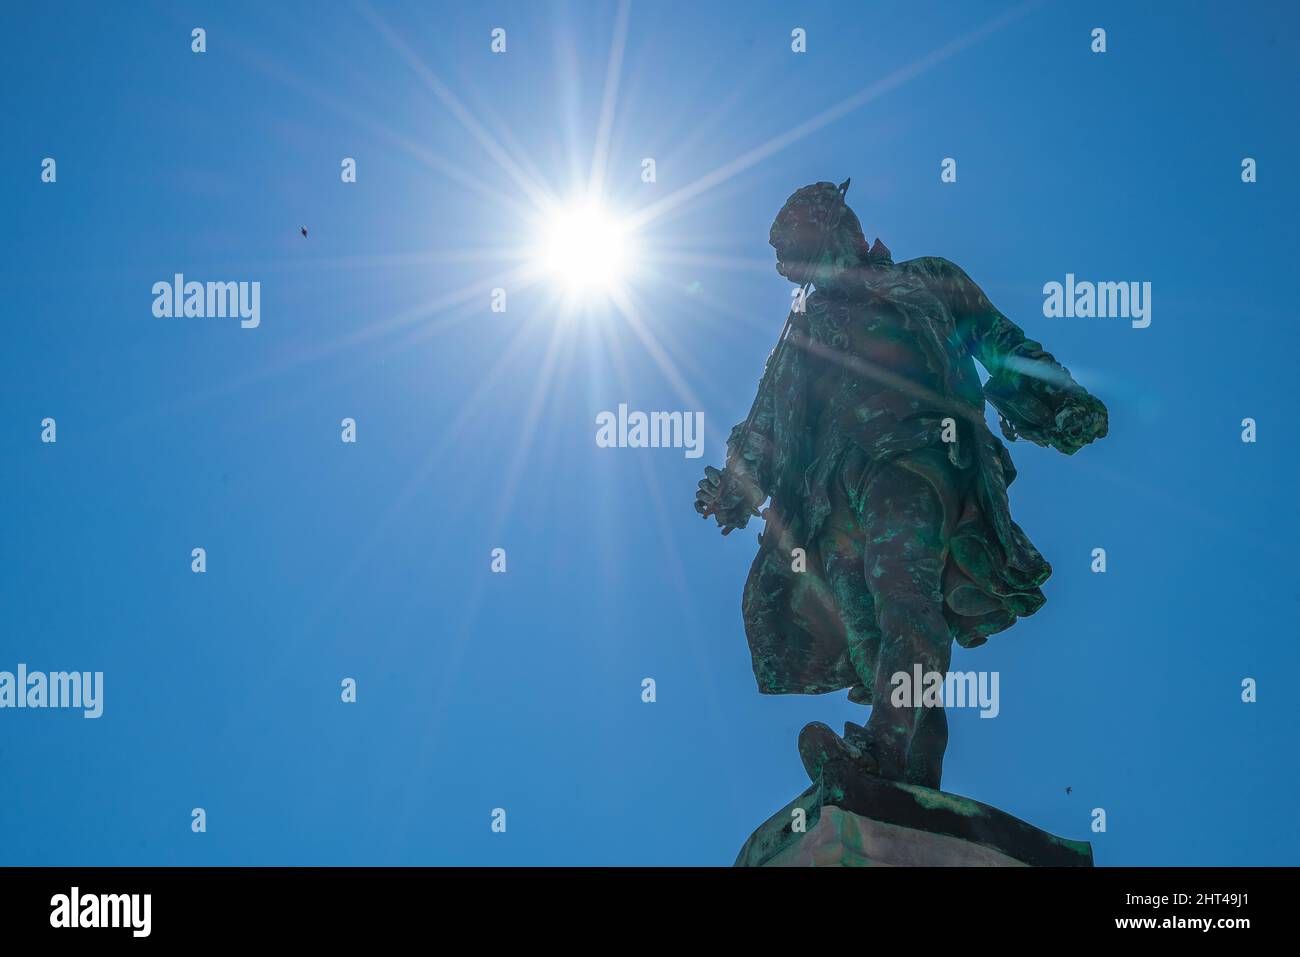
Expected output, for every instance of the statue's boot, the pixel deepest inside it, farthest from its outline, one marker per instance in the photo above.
(820, 746)
(878, 757)
(923, 764)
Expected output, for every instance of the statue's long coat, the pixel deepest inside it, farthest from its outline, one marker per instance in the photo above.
(796, 635)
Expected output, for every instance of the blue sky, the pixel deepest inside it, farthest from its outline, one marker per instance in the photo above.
(476, 429)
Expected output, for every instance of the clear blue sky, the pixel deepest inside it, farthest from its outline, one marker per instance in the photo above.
(476, 429)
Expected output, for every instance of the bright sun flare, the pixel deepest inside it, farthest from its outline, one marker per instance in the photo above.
(586, 248)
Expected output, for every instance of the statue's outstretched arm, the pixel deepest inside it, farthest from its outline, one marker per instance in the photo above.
(1035, 396)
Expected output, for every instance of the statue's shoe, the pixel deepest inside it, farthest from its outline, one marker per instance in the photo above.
(820, 746)
(876, 758)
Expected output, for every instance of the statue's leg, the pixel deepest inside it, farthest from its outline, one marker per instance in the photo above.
(905, 554)
(840, 548)
(925, 757)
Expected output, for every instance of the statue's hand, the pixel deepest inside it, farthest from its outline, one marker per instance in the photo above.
(728, 496)
(1080, 419)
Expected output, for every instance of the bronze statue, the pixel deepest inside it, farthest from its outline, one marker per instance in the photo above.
(888, 533)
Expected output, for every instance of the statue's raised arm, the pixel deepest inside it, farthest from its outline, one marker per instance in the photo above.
(1035, 396)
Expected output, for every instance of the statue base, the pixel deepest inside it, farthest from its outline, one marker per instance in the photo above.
(853, 819)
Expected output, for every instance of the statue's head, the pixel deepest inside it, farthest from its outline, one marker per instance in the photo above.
(799, 230)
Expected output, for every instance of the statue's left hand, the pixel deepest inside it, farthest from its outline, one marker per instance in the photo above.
(1080, 419)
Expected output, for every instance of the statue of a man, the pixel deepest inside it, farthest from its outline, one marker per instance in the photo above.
(888, 533)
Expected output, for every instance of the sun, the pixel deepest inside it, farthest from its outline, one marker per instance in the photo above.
(586, 248)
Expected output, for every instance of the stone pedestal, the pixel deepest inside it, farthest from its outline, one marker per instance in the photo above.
(854, 819)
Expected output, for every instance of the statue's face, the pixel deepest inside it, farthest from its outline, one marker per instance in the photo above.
(808, 255)
(796, 246)
(799, 238)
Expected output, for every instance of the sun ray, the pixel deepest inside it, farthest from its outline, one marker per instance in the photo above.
(403, 320)
(613, 72)
(672, 554)
(871, 92)
(274, 69)
(536, 194)
(654, 349)
(527, 430)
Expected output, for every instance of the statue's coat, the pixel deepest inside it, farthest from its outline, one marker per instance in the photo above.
(796, 634)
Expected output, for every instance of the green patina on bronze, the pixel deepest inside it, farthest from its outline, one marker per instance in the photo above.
(949, 802)
(888, 535)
